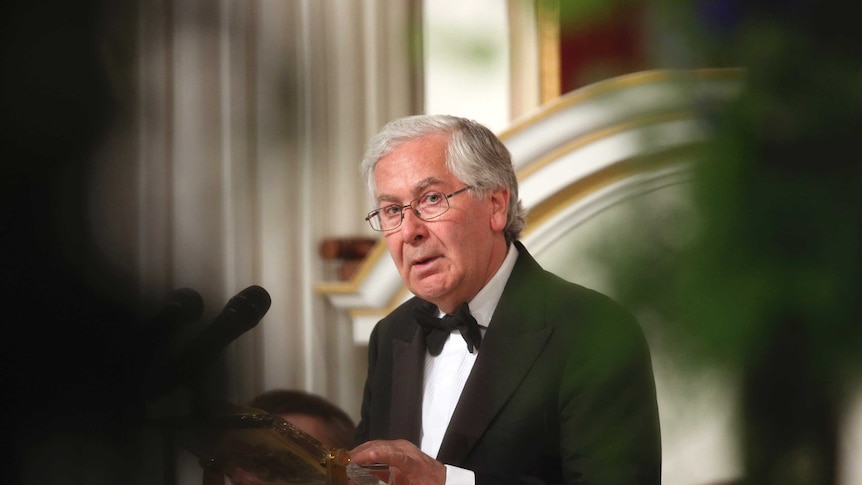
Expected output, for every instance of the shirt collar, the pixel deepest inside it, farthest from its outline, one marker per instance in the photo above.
(482, 306)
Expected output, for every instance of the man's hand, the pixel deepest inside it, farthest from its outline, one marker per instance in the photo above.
(410, 465)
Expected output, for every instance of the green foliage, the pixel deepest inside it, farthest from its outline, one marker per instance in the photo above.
(771, 282)
(778, 211)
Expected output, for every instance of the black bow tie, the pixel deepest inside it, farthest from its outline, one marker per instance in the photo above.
(437, 330)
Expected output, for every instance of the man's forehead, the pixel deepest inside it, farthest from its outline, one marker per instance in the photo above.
(412, 167)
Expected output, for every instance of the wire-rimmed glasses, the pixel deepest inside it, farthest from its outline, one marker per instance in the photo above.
(425, 207)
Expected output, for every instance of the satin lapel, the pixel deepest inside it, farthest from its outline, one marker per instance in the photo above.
(515, 338)
(408, 368)
(502, 364)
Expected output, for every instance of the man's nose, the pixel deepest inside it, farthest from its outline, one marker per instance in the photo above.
(412, 226)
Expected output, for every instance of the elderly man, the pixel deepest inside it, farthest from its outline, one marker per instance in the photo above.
(496, 371)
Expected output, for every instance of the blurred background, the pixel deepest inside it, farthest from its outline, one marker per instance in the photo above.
(695, 159)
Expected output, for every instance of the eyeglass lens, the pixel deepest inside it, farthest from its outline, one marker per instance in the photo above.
(426, 207)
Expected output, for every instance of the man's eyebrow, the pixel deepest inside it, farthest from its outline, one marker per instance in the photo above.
(386, 198)
(424, 184)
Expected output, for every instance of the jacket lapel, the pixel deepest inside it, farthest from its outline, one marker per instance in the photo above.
(515, 338)
(408, 365)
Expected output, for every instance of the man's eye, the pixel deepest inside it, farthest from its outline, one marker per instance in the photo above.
(433, 198)
(391, 211)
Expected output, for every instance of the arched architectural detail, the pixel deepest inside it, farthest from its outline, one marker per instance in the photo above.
(574, 157)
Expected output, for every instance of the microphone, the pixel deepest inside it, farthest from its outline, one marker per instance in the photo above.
(240, 315)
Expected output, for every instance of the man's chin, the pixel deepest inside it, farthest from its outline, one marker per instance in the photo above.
(431, 287)
(426, 294)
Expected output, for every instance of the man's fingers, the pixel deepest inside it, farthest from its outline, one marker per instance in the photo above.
(400, 454)
(409, 464)
(390, 452)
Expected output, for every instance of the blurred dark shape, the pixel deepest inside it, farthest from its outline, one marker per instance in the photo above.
(183, 306)
(70, 325)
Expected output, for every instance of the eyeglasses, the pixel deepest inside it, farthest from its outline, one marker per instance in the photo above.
(426, 207)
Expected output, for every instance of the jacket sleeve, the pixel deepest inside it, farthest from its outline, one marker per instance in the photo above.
(362, 433)
(609, 424)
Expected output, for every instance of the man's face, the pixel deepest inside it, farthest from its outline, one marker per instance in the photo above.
(446, 260)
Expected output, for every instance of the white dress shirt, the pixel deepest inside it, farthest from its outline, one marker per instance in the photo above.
(446, 374)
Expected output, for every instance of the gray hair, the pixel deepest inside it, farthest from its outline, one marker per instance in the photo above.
(475, 156)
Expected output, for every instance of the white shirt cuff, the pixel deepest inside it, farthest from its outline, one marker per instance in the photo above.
(459, 476)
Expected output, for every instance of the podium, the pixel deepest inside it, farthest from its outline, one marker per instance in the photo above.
(254, 447)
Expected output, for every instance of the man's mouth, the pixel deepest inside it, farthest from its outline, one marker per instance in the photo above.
(420, 262)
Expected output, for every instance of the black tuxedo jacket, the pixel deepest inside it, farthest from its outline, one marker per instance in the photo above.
(562, 390)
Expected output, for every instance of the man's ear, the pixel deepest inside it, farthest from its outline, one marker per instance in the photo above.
(499, 208)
